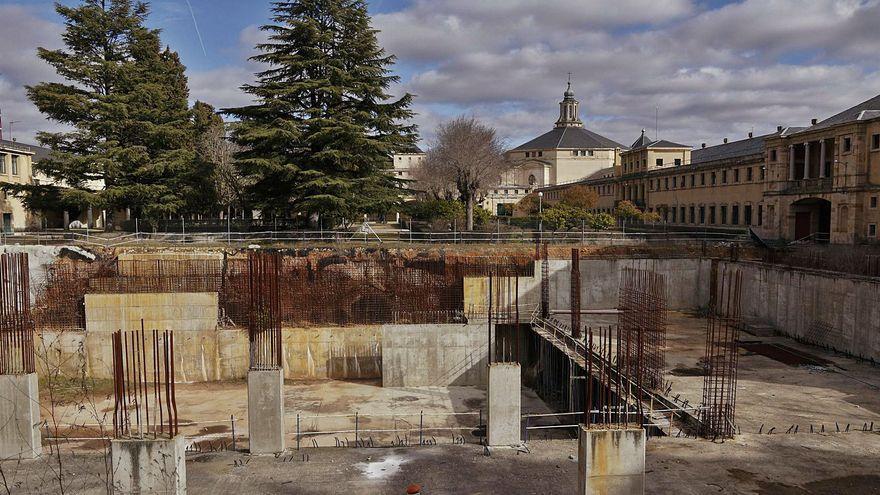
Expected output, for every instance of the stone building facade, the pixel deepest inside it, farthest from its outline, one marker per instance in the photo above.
(817, 183)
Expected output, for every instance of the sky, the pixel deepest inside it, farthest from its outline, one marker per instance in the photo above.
(691, 71)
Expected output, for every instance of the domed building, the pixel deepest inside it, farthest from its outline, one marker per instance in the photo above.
(567, 153)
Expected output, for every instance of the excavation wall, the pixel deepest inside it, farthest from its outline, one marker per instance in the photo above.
(823, 308)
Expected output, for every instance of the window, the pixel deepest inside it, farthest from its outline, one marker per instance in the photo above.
(666, 181)
(724, 176)
(14, 164)
(682, 180)
(772, 155)
(693, 180)
(528, 154)
(590, 152)
(692, 214)
(703, 179)
(747, 214)
(2, 163)
(875, 142)
(873, 201)
(736, 175)
(760, 215)
(749, 174)
(734, 215)
(847, 145)
(723, 215)
(763, 171)
(674, 215)
(682, 214)
(712, 215)
(659, 162)
(872, 230)
(678, 162)
(532, 180)
(702, 215)
(540, 153)
(714, 181)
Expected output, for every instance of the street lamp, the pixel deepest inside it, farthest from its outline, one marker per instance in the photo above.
(541, 215)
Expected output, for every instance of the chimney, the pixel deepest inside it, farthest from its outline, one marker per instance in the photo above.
(703, 145)
(751, 135)
(779, 128)
(725, 140)
(814, 121)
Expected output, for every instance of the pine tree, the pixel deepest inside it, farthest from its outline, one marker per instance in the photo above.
(319, 137)
(126, 100)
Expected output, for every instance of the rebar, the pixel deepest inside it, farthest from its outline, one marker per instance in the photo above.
(16, 323)
(719, 384)
(264, 310)
(136, 355)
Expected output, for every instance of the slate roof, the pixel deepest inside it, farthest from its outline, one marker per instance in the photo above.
(868, 109)
(644, 142)
(730, 150)
(569, 138)
(39, 152)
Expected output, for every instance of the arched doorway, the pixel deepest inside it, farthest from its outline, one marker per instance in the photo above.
(812, 219)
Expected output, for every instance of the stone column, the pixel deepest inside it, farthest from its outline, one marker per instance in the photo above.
(19, 417)
(266, 411)
(822, 159)
(807, 160)
(611, 462)
(504, 419)
(791, 162)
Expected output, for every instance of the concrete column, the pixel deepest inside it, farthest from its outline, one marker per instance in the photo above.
(822, 159)
(791, 162)
(611, 462)
(266, 411)
(19, 417)
(504, 419)
(66, 219)
(807, 160)
(149, 465)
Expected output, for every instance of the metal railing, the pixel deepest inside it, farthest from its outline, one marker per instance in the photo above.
(103, 239)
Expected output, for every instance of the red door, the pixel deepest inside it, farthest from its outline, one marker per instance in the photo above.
(801, 225)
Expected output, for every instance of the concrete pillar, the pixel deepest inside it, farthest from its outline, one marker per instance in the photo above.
(611, 462)
(504, 418)
(66, 219)
(19, 417)
(149, 465)
(822, 159)
(807, 160)
(266, 411)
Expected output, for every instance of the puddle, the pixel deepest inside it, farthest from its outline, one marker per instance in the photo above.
(389, 466)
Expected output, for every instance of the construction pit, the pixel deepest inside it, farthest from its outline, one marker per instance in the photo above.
(385, 359)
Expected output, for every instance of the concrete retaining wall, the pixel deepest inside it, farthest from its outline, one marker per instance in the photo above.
(222, 354)
(838, 311)
(192, 311)
(687, 282)
(434, 355)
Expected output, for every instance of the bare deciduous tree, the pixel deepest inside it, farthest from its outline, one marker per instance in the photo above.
(217, 149)
(467, 157)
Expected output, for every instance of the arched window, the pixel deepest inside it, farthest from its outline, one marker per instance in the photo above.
(532, 180)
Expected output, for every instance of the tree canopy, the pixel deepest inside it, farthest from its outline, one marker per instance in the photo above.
(125, 98)
(319, 137)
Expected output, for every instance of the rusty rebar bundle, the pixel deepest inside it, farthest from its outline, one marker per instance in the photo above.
(575, 296)
(613, 380)
(16, 324)
(722, 340)
(145, 402)
(642, 322)
(264, 310)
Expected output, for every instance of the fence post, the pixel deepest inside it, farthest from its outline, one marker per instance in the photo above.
(297, 431)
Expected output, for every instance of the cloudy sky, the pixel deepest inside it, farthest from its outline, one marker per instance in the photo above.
(710, 69)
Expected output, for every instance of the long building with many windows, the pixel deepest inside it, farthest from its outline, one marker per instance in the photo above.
(820, 182)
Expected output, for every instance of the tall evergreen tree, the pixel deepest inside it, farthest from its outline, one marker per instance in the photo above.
(126, 99)
(319, 137)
